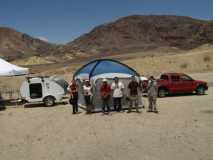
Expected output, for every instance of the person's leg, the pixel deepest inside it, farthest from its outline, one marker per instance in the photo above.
(130, 104)
(136, 104)
(155, 104)
(76, 100)
(107, 105)
(141, 99)
(119, 104)
(74, 105)
(73, 109)
(150, 104)
(87, 103)
(152, 107)
(103, 105)
(114, 103)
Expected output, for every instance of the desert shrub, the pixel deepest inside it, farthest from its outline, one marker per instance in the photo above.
(208, 66)
(184, 65)
(206, 59)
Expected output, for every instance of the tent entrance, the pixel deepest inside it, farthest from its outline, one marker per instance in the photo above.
(35, 90)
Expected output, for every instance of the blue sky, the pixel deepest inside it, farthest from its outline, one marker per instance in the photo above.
(61, 21)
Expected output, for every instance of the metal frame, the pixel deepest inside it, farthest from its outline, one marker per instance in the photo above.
(98, 61)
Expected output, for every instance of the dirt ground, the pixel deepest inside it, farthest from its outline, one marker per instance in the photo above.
(182, 130)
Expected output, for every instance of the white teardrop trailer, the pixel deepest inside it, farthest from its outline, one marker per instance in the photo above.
(47, 90)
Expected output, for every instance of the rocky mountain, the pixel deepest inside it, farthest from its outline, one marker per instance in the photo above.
(138, 33)
(125, 35)
(17, 45)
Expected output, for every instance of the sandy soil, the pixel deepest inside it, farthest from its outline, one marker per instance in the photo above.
(182, 130)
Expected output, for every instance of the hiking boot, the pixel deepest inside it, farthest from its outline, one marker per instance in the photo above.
(156, 111)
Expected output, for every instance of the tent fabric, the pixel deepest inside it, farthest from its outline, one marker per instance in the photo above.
(8, 69)
(104, 66)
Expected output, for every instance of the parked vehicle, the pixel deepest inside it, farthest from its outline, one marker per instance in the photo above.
(175, 83)
(48, 90)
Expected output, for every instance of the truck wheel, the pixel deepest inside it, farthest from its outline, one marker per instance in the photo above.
(200, 90)
(162, 92)
(49, 101)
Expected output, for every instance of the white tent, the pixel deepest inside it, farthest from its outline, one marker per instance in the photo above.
(8, 69)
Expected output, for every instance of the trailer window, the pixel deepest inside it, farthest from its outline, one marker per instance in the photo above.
(35, 90)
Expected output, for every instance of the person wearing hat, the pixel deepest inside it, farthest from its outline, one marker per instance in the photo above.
(118, 88)
(133, 87)
(87, 92)
(105, 91)
(152, 92)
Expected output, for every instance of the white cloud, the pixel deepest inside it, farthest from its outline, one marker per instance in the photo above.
(43, 39)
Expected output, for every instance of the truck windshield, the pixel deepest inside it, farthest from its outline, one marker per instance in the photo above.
(185, 78)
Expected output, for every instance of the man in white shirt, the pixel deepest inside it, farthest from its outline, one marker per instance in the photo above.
(117, 88)
(87, 92)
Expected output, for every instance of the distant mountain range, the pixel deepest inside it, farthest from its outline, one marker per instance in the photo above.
(16, 45)
(125, 35)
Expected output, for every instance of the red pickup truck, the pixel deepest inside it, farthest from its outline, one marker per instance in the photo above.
(174, 83)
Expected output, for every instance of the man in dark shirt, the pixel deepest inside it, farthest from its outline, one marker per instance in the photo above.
(133, 94)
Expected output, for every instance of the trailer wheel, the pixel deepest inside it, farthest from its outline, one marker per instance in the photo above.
(49, 101)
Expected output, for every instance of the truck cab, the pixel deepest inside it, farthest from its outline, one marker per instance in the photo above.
(174, 83)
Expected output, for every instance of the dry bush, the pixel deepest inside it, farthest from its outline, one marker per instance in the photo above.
(206, 58)
(184, 65)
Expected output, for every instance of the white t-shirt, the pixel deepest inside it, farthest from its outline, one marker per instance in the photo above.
(117, 89)
(87, 90)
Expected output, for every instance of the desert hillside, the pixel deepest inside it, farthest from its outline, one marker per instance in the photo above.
(146, 63)
(192, 61)
(16, 45)
(139, 33)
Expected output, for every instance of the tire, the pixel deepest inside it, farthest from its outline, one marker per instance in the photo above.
(200, 90)
(162, 92)
(49, 101)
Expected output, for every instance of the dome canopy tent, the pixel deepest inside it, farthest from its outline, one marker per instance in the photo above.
(103, 68)
(8, 69)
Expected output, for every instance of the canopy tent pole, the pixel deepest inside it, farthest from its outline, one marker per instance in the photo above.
(91, 72)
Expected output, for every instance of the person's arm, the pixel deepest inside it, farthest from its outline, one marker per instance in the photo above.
(141, 86)
(138, 88)
(77, 87)
(112, 86)
(91, 90)
(69, 89)
(101, 91)
(129, 89)
(148, 85)
(122, 87)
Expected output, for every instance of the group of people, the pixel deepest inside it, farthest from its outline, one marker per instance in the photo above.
(116, 92)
